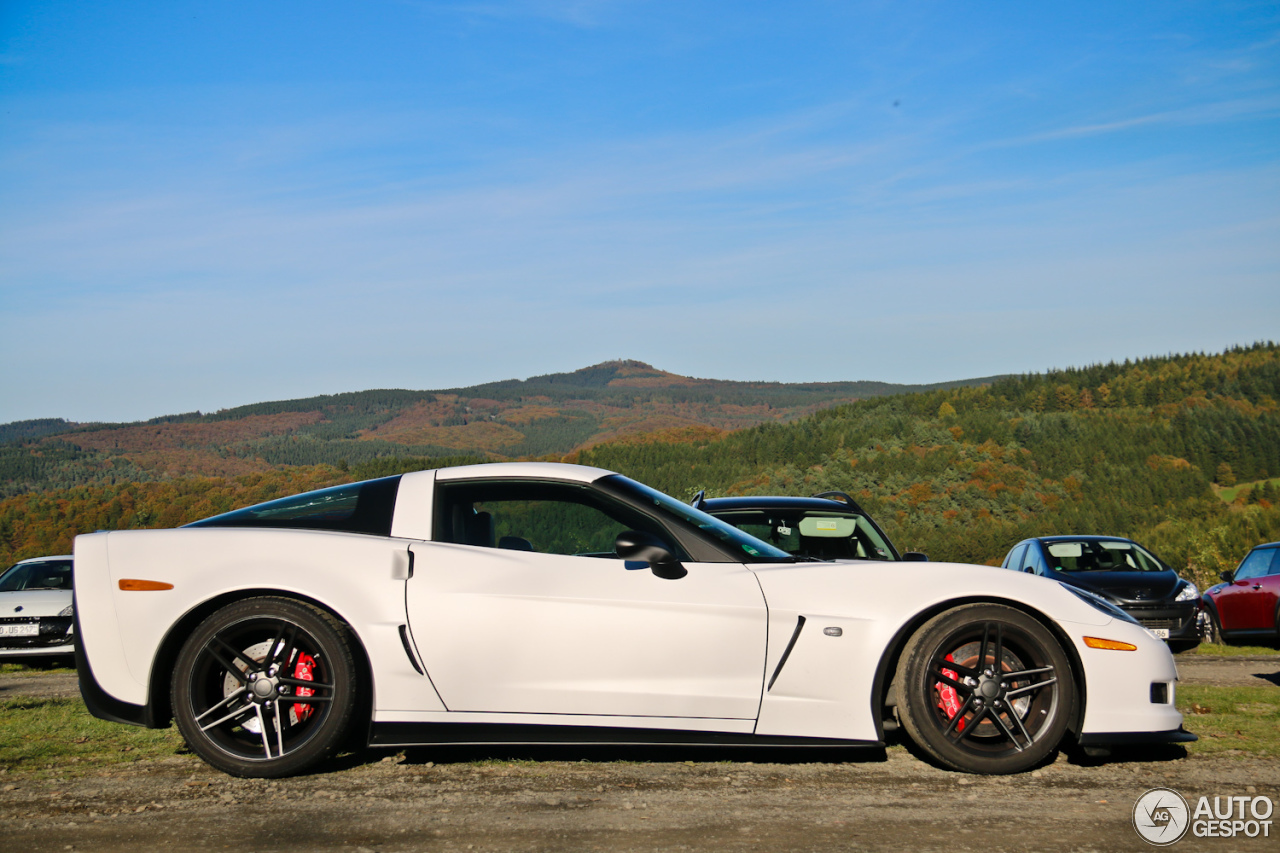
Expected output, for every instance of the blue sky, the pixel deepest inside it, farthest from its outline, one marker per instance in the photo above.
(209, 204)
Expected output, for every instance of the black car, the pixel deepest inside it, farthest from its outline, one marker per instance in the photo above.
(1122, 572)
(827, 526)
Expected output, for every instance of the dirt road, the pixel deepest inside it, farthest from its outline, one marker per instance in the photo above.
(623, 800)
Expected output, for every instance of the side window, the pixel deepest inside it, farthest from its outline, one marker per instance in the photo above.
(1035, 560)
(1275, 561)
(546, 518)
(1257, 564)
(1014, 560)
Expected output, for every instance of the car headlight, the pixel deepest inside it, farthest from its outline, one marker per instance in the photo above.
(68, 611)
(1189, 592)
(1098, 602)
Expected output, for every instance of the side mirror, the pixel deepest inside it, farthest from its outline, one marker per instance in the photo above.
(915, 557)
(647, 548)
(1227, 576)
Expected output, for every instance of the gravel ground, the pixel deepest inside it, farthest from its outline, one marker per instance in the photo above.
(622, 800)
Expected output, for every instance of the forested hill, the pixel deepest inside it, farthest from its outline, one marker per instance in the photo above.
(1134, 449)
(1141, 449)
(544, 415)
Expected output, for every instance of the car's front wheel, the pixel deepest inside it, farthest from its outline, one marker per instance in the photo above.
(985, 688)
(1210, 628)
(265, 687)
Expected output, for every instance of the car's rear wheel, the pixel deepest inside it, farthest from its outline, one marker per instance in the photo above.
(265, 687)
(985, 688)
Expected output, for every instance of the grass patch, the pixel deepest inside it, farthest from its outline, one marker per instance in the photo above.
(1232, 651)
(1230, 493)
(1232, 720)
(44, 734)
(54, 665)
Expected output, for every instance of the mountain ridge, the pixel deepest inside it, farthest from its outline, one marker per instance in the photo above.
(547, 414)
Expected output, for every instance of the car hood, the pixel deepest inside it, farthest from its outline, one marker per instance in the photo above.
(34, 602)
(1129, 587)
(880, 593)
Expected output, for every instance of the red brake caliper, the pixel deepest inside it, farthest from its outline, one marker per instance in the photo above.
(302, 671)
(948, 699)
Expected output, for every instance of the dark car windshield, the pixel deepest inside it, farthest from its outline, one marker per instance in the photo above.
(1092, 555)
(748, 547)
(818, 534)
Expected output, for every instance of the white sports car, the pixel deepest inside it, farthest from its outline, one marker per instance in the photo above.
(35, 609)
(539, 602)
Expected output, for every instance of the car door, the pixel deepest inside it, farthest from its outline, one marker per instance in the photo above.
(526, 610)
(1242, 603)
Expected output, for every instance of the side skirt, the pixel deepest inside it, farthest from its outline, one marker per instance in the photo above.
(1124, 738)
(422, 734)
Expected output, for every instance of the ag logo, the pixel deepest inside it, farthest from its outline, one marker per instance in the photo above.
(1161, 816)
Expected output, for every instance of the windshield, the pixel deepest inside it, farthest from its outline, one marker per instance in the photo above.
(1086, 555)
(814, 534)
(41, 574)
(744, 544)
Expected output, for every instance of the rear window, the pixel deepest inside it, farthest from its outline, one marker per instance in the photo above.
(364, 507)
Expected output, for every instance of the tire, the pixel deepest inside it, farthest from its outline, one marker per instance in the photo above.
(239, 681)
(960, 712)
(1212, 629)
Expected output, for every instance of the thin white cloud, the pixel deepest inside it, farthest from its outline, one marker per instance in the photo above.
(586, 14)
(1205, 114)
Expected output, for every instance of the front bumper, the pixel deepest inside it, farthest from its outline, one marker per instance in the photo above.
(1179, 618)
(53, 635)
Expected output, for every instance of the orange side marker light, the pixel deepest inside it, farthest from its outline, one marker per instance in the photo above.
(134, 585)
(1112, 645)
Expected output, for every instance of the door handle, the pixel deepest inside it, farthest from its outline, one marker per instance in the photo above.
(402, 565)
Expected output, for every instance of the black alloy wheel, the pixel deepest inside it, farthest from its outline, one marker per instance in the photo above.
(265, 687)
(985, 688)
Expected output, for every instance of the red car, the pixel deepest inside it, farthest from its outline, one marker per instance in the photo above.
(1247, 606)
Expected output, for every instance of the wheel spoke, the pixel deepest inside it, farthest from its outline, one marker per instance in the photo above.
(955, 721)
(982, 647)
(298, 682)
(281, 649)
(998, 657)
(279, 732)
(939, 664)
(1004, 727)
(225, 701)
(1027, 688)
(958, 685)
(305, 700)
(231, 668)
(1013, 715)
(262, 730)
(231, 716)
(956, 734)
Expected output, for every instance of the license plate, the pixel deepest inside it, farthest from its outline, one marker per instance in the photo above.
(1159, 633)
(28, 630)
